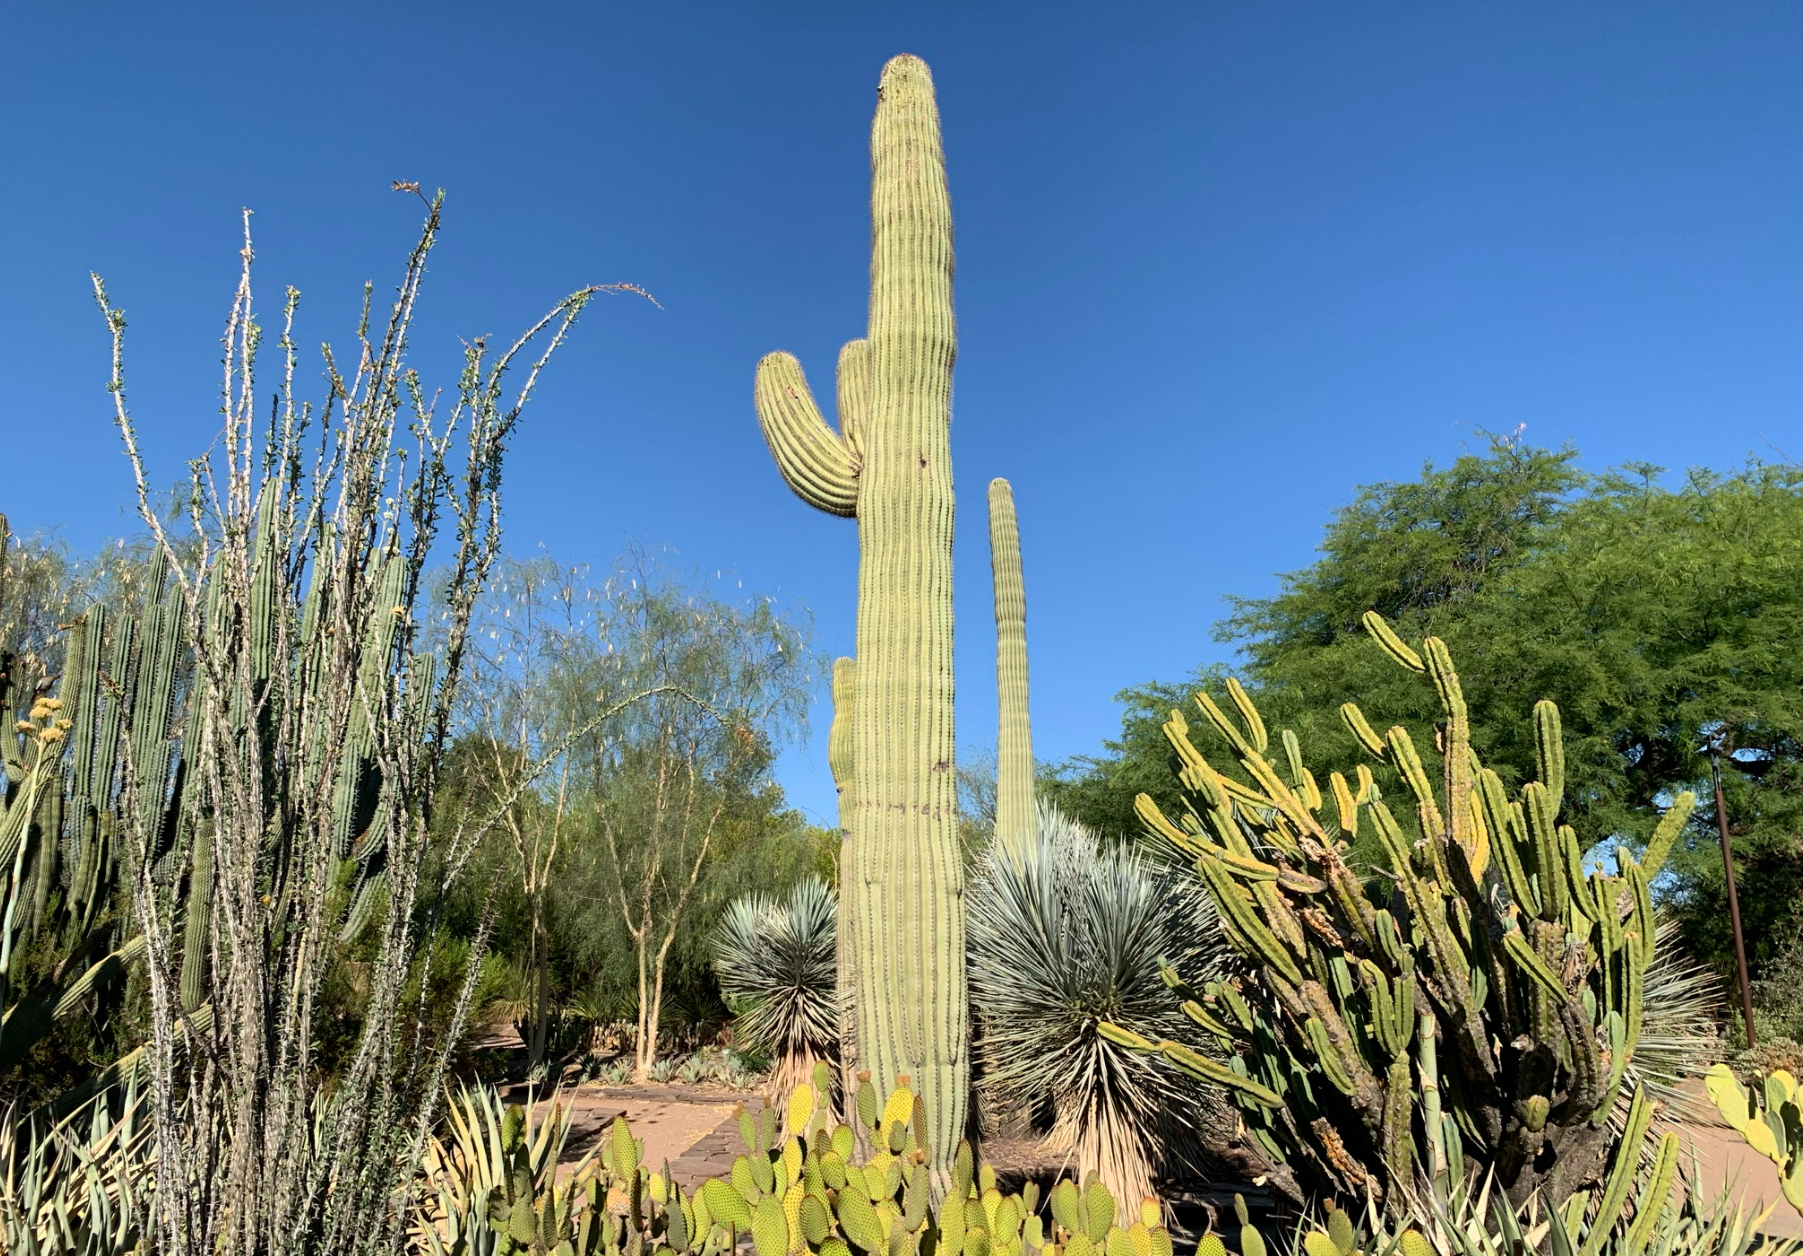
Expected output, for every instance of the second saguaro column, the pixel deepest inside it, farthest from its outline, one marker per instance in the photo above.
(889, 466)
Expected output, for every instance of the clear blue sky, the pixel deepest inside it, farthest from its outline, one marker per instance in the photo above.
(1218, 263)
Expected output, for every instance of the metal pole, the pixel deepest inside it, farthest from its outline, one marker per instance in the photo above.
(1740, 944)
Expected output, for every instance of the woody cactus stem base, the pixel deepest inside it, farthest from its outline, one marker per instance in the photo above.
(889, 466)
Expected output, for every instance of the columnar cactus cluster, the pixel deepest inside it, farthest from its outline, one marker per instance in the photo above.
(1480, 999)
(1631, 1213)
(889, 467)
(1016, 817)
(108, 756)
(103, 741)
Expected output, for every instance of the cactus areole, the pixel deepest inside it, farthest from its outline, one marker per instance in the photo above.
(889, 467)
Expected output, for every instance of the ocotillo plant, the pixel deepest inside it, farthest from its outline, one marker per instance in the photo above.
(889, 466)
(313, 738)
(1015, 814)
(1479, 1000)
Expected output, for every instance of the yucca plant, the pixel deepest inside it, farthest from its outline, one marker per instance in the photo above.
(775, 961)
(1065, 934)
(1681, 1003)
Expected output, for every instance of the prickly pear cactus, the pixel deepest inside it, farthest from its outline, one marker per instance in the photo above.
(1480, 1000)
(810, 1192)
(889, 467)
(1770, 1117)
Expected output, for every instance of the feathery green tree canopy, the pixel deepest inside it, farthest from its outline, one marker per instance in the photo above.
(1664, 614)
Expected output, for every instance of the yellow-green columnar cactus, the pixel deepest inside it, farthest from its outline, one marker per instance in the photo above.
(889, 466)
(1015, 816)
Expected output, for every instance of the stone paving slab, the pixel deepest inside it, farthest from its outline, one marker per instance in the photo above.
(712, 1155)
(670, 1120)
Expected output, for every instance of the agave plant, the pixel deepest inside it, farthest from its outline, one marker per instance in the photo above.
(492, 1182)
(1065, 933)
(776, 965)
(79, 1185)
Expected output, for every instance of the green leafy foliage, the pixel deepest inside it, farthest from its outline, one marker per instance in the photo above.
(1663, 611)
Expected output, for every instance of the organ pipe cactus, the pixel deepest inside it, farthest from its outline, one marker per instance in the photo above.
(889, 467)
(108, 744)
(1015, 814)
(1478, 1001)
(1633, 1213)
(102, 742)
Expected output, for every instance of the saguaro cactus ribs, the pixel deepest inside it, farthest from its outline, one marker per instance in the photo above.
(889, 466)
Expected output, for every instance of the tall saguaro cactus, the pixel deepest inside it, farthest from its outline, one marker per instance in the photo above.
(889, 466)
(1015, 815)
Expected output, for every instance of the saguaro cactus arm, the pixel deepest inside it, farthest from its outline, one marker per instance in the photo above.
(1015, 815)
(821, 465)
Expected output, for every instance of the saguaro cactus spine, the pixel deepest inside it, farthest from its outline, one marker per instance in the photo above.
(1015, 815)
(889, 466)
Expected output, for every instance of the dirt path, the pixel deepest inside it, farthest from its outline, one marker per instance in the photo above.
(671, 1120)
(1724, 1161)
